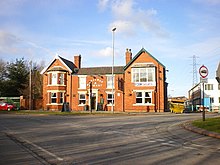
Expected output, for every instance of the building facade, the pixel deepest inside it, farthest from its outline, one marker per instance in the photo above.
(211, 96)
(139, 86)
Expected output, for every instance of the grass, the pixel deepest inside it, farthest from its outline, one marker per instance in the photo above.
(210, 124)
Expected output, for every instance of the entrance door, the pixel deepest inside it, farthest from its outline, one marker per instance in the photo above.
(93, 101)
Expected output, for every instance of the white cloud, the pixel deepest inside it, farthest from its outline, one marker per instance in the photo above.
(102, 4)
(123, 26)
(105, 52)
(128, 18)
(122, 9)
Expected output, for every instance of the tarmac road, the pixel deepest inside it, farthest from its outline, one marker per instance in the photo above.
(104, 139)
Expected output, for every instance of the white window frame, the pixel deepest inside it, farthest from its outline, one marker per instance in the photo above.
(61, 79)
(80, 99)
(109, 81)
(54, 78)
(57, 93)
(61, 97)
(53, 97)
(143, 76)
(143, 97)
(82, 82)
(110, 99)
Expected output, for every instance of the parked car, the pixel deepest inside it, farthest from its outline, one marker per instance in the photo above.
(7, 106)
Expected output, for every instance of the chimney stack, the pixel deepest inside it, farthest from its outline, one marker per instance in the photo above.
(77, 61)
(128, 56)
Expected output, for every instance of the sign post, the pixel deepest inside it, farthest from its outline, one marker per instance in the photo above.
(203, 71)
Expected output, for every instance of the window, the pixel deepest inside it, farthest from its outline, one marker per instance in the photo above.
(208, 86)
(82, 98)
(61, 97)
(82, 82)
(109, 82)
(143, 97)
(54, 78)
(110, 98)
(61, 79)
(211, 100)
(143, 75)
(53, 97)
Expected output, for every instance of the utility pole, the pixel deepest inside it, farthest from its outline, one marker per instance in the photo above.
(30, 87)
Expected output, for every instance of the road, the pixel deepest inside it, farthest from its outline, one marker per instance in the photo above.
(104, 139)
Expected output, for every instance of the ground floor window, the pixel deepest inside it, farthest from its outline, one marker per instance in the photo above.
(143, 97)
(53, 97)
(56, 97)
(110, 98)
(61, 97)
(82, 98)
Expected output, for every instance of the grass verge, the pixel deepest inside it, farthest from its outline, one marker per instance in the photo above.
(210, 124)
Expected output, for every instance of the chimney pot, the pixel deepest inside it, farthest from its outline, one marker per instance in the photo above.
(128, 56)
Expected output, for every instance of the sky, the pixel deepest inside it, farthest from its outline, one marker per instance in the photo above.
(173, 31)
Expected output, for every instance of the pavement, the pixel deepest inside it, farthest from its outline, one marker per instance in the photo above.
(188, 126)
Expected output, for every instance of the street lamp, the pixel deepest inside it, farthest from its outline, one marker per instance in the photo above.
(113, 52)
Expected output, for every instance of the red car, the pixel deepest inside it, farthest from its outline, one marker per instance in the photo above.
(7, 106)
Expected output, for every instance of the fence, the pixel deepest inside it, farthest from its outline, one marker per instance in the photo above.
(23, 103)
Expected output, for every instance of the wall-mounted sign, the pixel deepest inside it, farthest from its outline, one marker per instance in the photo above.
(145, 83)
(96, 82)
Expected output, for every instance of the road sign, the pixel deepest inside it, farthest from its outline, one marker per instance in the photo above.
(203, 71)
(203, 80)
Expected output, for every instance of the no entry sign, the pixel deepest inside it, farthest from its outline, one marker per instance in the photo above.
(203, 71)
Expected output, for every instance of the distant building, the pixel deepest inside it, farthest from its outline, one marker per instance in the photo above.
(211, 96)
(139, 86)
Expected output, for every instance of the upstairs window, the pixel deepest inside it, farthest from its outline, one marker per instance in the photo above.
(109, 81)
(61, 79)
(143, 76)
(54, 78)
(208, 86)
(82, 82)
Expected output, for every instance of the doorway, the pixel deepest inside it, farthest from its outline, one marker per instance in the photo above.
(93, 101)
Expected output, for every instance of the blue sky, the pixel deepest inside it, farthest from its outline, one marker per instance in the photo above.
(171, 30)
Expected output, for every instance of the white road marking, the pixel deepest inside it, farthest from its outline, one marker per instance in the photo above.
(42, 149)
(20, 139)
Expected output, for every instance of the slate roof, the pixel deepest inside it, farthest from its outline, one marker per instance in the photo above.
(100, 70)
(69, 64)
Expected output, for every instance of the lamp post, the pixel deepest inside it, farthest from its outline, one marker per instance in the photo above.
(113, 54)
(30, 87)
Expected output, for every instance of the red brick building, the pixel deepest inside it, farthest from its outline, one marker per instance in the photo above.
(139, 86)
